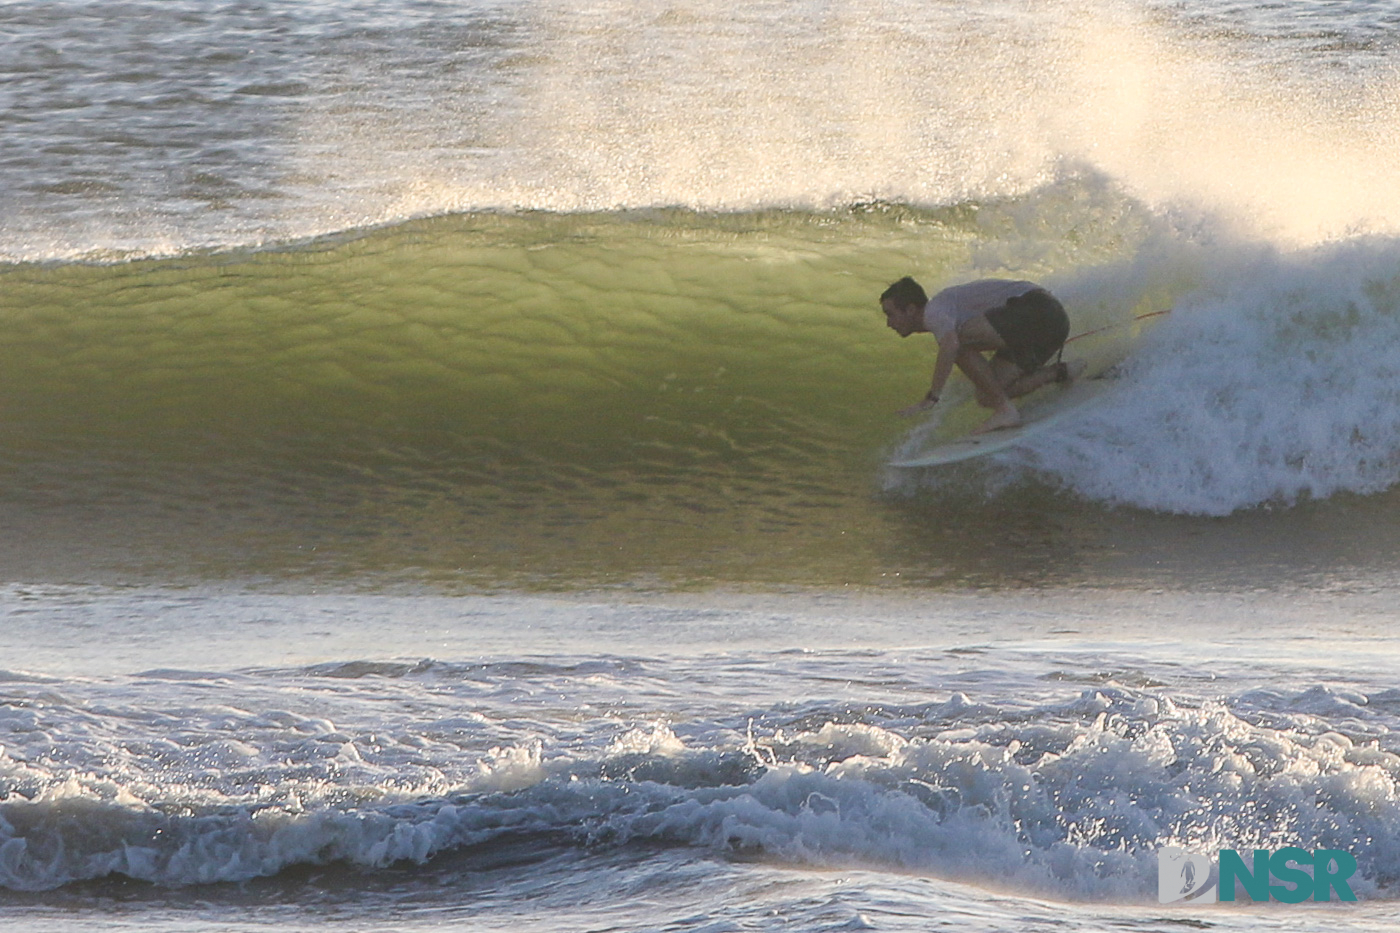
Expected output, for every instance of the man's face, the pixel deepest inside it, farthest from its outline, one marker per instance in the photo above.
(902, 319)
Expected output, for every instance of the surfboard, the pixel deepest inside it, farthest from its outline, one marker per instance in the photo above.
(1041, 413)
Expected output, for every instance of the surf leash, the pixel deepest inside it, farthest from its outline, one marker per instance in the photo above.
(1100, 330)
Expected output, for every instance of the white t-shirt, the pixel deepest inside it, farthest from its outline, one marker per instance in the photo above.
(951, 307)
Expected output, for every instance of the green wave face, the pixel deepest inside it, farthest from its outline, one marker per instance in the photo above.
(501, 396)
(537, 332)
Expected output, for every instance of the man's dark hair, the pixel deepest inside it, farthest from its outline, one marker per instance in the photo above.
(906, 292)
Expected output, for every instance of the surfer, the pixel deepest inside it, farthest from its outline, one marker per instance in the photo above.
(1021, 324)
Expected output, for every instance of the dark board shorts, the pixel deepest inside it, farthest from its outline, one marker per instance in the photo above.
(1034, 327)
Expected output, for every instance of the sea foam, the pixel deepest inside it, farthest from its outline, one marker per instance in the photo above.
(1069, 797)
(1275, 381)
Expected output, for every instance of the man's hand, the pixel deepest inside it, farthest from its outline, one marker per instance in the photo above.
(924, 404)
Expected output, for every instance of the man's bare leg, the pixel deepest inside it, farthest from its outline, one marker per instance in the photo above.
(998, 380)
(1027, 383)
(990, 392)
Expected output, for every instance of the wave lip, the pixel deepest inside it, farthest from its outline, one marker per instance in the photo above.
(307, 128)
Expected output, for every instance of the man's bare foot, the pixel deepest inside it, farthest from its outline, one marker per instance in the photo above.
(1007, 417)
(1066, 373)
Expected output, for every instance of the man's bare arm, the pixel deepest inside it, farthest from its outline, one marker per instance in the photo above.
(948, 348)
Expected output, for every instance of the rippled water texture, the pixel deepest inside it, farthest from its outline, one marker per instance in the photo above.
(444, 464)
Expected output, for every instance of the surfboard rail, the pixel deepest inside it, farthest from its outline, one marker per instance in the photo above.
(1038, 419)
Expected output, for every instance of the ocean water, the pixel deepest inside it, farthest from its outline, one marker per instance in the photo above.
(444, 464)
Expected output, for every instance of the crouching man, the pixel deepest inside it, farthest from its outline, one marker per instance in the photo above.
(1021, 324)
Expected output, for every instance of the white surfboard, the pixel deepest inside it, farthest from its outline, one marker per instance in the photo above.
(1050, 407)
